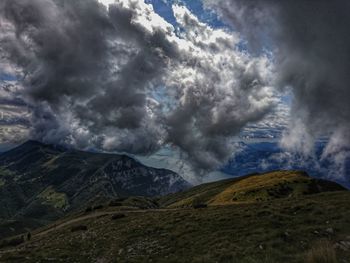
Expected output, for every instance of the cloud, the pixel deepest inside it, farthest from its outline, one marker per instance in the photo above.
(311, 48)
(271, 127)
(121, 78)
(222, 90)
(14, 114)
(85, 69)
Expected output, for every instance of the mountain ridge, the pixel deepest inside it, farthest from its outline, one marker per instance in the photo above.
(44, 182)
(254, 187)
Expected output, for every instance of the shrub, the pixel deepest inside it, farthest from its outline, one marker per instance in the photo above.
(115, 203)
(321, 252)
(117, 216)
(88, 209)
(97, 207)
(197, 206)
(78, 228)
(121, 199)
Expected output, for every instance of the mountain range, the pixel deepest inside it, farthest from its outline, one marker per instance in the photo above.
(40, 183)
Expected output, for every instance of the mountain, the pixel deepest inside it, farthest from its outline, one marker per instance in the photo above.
(40, 183)
(281, 216)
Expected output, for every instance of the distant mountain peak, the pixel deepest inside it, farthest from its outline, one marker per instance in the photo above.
(33, 142)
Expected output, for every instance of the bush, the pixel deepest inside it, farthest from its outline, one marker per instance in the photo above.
(197, 206)
(115, 203)
(12, 242)
(121, 199)
(97, 207)
(88, 209)
(117, 216)
(321, 252)
(78, 228)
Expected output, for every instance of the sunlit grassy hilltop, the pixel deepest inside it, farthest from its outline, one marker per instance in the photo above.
(252, 188)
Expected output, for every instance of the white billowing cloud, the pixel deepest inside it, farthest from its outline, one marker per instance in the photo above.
(338, 152)
(123, 79)
(221, 90)
(107, 2)
(297, 138)
(311, 52)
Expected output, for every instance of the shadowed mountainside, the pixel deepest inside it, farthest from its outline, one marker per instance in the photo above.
(40, 183)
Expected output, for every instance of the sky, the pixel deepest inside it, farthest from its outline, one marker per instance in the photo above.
(194, 76)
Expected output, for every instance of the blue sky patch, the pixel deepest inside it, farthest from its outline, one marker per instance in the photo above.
(164, 9)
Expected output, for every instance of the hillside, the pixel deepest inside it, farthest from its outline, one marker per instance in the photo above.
(40, 183)
(252, 188)
(291, 227)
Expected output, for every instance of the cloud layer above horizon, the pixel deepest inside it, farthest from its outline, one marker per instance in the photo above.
(122, 78)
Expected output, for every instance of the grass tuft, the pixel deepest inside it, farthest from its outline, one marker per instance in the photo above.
(321, 252)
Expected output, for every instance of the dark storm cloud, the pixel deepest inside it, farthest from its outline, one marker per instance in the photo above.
(89, 73)
(18, 102)
(311, 44)
(66, 49)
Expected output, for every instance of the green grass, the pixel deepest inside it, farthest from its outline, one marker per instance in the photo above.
(140, 202)
(56, 199)
(5, 174)
(202, 193)
(281, 230)
(251, 188)
(321, 252)
(275, 217)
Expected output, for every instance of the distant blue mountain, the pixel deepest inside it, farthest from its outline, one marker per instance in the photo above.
(267, 156)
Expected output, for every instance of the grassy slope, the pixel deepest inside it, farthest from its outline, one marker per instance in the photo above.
(269, 230)
(280, 230)
(251, 188)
